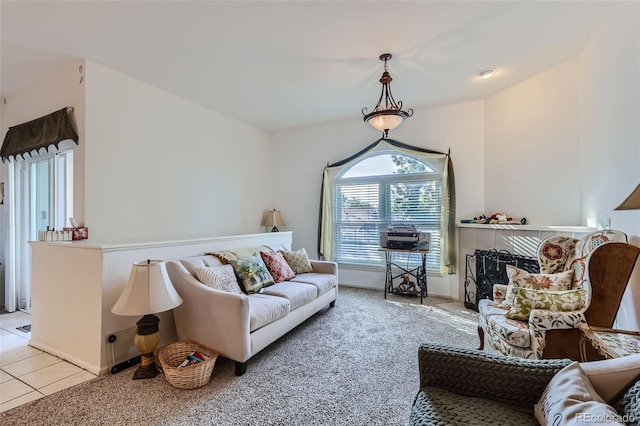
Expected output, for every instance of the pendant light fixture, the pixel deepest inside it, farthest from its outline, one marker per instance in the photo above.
(389, 115)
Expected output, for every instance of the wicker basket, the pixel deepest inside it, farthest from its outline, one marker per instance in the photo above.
(189, 377)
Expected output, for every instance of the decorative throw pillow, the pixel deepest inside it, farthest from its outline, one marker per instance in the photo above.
(521, 278)
(219, 277)
(277, 266)
(569, 399)
(526, 299)
(226, 256)
(298, 260)
(252, 273)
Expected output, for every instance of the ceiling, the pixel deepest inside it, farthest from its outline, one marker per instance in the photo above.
(283, 65)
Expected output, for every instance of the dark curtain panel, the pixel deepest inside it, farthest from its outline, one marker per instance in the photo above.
(37, 134)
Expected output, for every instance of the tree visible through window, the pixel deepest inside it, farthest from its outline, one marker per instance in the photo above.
(381, 190)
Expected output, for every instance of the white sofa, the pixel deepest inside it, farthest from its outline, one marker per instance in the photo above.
(238, 326)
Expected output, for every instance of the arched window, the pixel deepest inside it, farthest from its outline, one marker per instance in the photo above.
(382, 187)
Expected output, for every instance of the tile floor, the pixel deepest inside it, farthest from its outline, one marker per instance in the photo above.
(27, 373)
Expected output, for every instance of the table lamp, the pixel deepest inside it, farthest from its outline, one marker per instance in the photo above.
(148, 292)
(632, 202)
(273, 218)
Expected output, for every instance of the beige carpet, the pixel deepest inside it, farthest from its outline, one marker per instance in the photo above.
(355, 364)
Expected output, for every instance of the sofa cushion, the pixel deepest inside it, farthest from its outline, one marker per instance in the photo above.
(252, 273)
(526, 299)
(297, 294)
(523, 279)
(277, 266)
(298, 260)
(220, 277)
(324, 282)
(437, 406)
(264, 309)
(514, 332)
(226, 256)
(569, 399)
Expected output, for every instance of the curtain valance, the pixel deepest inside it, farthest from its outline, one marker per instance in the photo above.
(36, 134)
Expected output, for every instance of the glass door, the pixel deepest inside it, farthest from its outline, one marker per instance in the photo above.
(42, 199)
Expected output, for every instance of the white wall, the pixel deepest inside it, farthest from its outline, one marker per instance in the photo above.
(160, 167)
(299, 158)
(532, 149)
(610, 133)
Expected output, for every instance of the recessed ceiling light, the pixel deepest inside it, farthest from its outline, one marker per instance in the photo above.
(486, 73)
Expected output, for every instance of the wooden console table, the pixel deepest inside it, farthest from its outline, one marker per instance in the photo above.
(419, 273)
(609, 342)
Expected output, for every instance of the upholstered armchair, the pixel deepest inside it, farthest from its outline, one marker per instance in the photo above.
(536, 316)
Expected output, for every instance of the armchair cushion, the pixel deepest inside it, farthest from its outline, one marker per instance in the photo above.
(434, 406)
(569, 398)
(526, 299)
(515, 333)
(519, 278)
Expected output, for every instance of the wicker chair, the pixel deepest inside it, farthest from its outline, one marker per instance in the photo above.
(470, 387)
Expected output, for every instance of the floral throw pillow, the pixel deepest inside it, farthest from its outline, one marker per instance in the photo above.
(277, 266)
(219, 277)
(252, 273)
(298, 260)
(526, 299)
(523, 279)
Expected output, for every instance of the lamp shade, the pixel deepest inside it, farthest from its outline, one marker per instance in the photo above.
(273, 218)
(632, 202)
(386, 120)
(148, 291)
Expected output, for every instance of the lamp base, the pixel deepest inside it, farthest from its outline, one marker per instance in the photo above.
(148, 372)
(274, 229)
(146, 340)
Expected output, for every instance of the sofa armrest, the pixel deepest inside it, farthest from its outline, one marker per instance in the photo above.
(469, 372)
(324, 267)
(216, 319)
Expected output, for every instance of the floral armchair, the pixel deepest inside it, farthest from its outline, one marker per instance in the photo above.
(523, 314)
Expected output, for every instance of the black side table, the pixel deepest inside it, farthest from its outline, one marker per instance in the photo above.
(406, 287)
